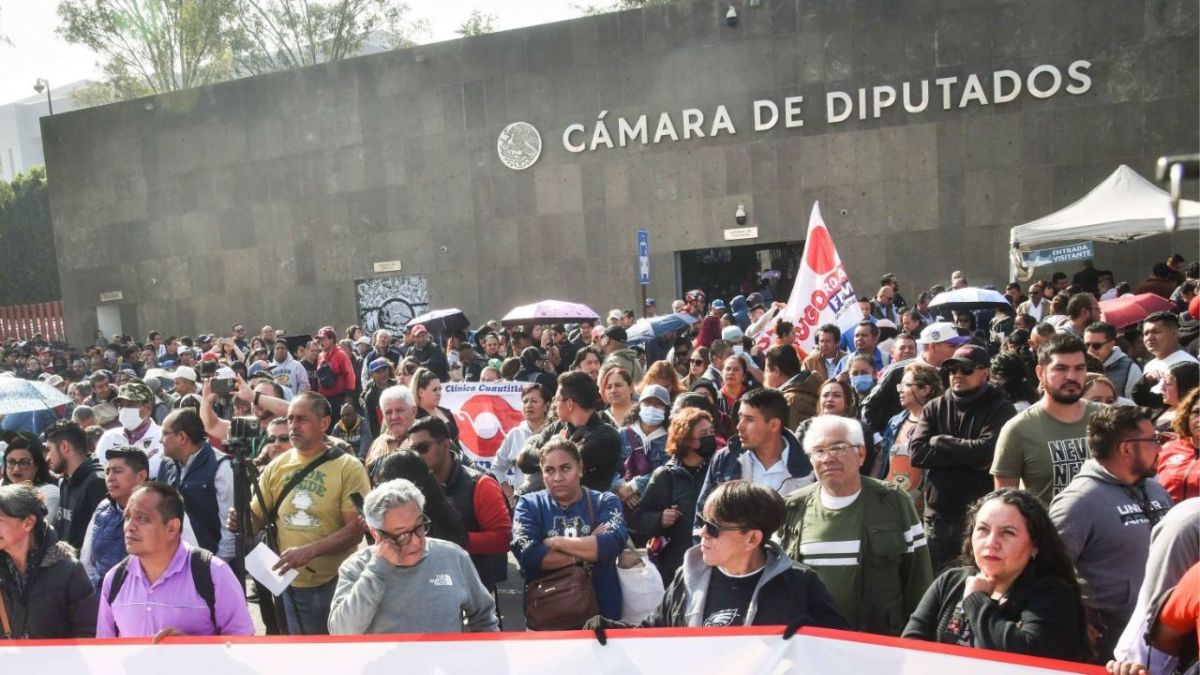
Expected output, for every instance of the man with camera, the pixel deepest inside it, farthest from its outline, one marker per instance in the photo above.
(266, 403)
(308, 516)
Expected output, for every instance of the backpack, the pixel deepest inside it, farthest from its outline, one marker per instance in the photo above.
(325, 376)
(200, 560)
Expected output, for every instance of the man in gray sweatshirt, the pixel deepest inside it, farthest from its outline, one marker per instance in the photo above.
(1107, 512)
(407, 582)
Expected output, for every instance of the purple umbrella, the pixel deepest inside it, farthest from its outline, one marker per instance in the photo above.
(549, 311)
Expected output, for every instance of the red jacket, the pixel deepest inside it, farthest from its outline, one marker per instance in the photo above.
(1179, 469)
(342, 368)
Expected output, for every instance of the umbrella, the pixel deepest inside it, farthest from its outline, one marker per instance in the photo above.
(971, 298)
(1129, 309)
(21, 396)
(442, 321)
(549, 311)
(647, 329)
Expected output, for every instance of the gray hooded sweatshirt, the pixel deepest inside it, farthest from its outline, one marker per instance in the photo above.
(1106, 528)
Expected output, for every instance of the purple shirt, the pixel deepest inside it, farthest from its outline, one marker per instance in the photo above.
(142, 609)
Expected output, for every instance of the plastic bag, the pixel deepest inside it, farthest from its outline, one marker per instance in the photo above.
(641, 586)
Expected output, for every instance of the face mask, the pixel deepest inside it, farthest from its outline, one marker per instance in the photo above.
(738, 350)
(130, 418)
(652, 416)
(708, 447)
(861, 383)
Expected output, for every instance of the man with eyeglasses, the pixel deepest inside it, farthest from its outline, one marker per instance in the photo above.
(475, 496)
(1042, 448)
(407, 582)
(862, 536)
(1100, 338)
(954, 441)
(1106, 514)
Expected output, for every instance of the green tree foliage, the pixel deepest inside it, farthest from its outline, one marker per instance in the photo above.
(151, 46)
(28, 267)
(477, 23)
(617, 6)
(281, 34)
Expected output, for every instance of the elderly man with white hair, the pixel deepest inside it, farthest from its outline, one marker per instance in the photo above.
(398, 409)
(408, 582)
(862, 536)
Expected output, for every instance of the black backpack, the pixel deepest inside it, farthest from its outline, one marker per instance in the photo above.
(200, 560)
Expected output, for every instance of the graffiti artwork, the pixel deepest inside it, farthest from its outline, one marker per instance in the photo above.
(389, 302)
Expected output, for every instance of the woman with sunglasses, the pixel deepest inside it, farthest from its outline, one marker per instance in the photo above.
(567, 524)
(379, 587)
(697, 366)
(25, 462)
(738, 576)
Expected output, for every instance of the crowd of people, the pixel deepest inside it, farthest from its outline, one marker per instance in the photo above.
(1026, 480)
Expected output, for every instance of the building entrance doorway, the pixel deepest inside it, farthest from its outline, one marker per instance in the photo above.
(740, 270)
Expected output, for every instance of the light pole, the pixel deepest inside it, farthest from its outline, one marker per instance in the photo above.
(39, 86)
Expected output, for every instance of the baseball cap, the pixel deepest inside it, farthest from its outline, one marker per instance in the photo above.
(377, 365)
(224, 373)
(650, 302)
(328, 333)
(419, 329)
(732, 334)
(615, 314)
(210, 356)
(363, 340)
(940, 331)
(54, 380)
(616, 333)
(258, 367)
(717, 304)
(135, 392)
(656, 391)
(205, 337)
(185, 373)
(970, 355)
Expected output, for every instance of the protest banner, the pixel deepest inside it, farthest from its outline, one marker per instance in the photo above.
(728, 651)
(822, 293)
(484, 411)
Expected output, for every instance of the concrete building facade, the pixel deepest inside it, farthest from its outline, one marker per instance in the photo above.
(925, 129)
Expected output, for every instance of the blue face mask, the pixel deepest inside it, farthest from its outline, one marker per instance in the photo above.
(861, 383)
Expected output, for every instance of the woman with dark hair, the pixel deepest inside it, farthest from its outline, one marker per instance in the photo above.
(836, 397)
(616, 390)
(918, 386)
(697, 366)
(444, 523)
(535, 404)
(1011, 375)
(25, 462)
(1017, 590)
(735, 381)
(533, 369)
(43, 587)
(738, 576)
(667, 510)
(1179, 459)
(353, 333)
(709, 390)
(1180, 380)
(427, 392)
(588, 360)
(568, 524)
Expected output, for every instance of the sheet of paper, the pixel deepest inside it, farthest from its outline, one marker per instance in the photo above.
(259, 563)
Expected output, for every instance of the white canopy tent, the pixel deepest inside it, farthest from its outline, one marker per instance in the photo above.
(1123, 208)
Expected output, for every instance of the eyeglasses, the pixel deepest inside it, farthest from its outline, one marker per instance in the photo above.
(1156, 439)
(905, 385)
(714, 530)
(402, 538)
(838, 448)
(696, 362)
(965, 370)
(1097, 345)
(18, 463)
(278, 439)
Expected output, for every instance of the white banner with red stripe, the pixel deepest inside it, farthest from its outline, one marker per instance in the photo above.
(484, 412)
(692, 651)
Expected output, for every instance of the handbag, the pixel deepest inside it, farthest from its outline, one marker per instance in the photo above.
(638, 463)
(563, 599)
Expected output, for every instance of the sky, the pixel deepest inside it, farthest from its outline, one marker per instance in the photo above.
(37, 52)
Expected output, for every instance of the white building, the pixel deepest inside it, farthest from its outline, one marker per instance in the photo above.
(21, 132)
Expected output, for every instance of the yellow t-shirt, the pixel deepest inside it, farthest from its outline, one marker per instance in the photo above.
(313, 509)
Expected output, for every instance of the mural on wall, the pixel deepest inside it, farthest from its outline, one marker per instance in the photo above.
(389, 302)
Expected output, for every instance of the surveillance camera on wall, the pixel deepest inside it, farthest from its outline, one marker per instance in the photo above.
(731, 17)
(740, 214)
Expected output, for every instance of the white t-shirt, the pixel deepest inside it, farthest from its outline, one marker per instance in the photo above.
(150, 443)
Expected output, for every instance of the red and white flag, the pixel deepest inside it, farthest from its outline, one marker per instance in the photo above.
(822, 293)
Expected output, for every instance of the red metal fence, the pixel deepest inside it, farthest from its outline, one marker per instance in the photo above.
(24, 321)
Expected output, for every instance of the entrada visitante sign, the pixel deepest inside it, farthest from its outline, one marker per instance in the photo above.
(911, 98)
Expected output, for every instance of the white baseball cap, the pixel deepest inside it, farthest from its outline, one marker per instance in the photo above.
(940, 331)
(185, 373)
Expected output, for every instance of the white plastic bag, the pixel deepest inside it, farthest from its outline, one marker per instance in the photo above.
(641, 586)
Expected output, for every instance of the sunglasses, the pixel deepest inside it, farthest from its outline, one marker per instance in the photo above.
(1097, 345)
(965, 370)
(696, 362)
(278, 439)
(714, 530)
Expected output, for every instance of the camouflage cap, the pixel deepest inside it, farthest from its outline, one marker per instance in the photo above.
(135, 392)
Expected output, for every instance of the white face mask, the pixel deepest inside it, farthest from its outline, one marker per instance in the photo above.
(652, 416)
(739, 350)
(130, 418)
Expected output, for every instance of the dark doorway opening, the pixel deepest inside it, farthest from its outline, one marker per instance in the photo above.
(740, 270)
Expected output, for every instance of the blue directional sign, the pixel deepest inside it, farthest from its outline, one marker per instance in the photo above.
(643, 257)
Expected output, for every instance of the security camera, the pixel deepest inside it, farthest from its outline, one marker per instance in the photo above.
(40, 85)
(740, 214)
(845, 212)
(731, 17)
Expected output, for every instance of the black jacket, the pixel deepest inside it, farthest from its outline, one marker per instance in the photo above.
(58, 600)
(80, 494)
(1040, 616)
(670, 485)
(598, 441)
(955, 440)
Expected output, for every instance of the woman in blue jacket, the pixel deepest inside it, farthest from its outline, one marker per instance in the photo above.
(567, 524)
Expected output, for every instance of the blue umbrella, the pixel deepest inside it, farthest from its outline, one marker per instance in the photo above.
(648, 329)
(21, 396)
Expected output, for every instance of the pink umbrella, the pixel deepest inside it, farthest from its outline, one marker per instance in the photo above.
(1129, 309)
(549, 311)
